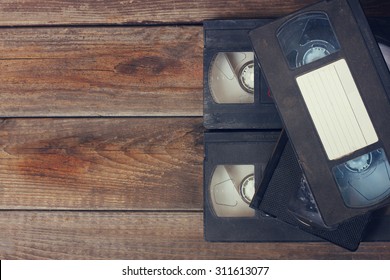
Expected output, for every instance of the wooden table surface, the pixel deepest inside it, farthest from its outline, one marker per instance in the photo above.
(101, 131)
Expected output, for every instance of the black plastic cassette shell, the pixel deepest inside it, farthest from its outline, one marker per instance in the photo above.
(368, 65)
(258, 228)
(380, 27)
(232, 36)
(280, 183)
(244, 147)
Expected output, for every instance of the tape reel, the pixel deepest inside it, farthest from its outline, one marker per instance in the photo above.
(364, 180)
(231, 77)
(307, 38)
(231, 190)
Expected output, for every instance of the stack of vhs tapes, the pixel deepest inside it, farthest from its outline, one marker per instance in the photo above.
(297, 145)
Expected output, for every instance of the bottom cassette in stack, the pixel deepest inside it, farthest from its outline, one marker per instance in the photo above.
(234, 164)
(238, 162)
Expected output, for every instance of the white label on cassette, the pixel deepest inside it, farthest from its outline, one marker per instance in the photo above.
(337, 109)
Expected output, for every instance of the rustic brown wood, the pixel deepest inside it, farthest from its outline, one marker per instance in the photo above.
(138, 71)
(63, 60)
(39, 12)
(129, 235)
(152, 163)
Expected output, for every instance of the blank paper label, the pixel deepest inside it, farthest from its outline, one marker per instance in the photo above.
(337, 109)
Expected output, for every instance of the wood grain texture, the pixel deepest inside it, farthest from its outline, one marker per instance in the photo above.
(65, 182)
(39, 12)
(129, 235)
(137, 71)
(153, 163)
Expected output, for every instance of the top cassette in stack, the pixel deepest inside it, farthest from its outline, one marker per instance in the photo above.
(334, 102)
(235, 93)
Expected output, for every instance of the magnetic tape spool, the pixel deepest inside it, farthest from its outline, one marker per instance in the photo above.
(359, 164)
(231, 190)
(312, 51)
(364, 180)
(307, 38)
(247, 188)
(231, 77)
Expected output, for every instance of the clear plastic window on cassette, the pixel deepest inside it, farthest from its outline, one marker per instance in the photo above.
(307, 38)
(365, 180)
(232, 78)
(231, 190)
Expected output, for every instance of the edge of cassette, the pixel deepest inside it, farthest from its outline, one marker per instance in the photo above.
(380, 28)
(233, 164)
(334, 110)
(284, 194)
(235, 93)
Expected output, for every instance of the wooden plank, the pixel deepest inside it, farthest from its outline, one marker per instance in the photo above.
(131, 163)
(138, 71)
(39, 12)
(129, 235)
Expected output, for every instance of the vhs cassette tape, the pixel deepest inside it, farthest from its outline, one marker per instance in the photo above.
(284, 194)
(331, 87)
(233, 165)
(235, 93)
